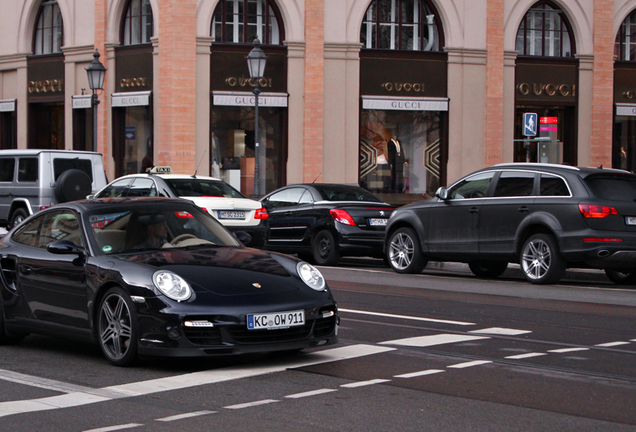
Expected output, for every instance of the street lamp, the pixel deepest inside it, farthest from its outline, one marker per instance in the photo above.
(95, 72)
(256, 60)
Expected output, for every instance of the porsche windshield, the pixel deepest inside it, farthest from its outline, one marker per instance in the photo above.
(129, 228)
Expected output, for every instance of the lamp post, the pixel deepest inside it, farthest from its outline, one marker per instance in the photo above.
(95, 72)
(256, 60)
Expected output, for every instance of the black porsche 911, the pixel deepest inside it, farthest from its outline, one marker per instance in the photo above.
(156, 277)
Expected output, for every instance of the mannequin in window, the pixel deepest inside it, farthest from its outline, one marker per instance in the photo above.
(396, 161)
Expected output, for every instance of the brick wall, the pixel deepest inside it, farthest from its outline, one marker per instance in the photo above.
(494, 83)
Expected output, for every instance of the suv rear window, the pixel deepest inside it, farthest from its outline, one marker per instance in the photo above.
(7, 169)
(615, 188)
(60, 165)
(28, 169)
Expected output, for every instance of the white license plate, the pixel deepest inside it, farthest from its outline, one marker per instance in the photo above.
(378, 222)
(630, 220)
(225, 214)
(275, 320)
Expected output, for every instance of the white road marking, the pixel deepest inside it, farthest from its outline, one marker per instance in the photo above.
(469, 364)
(568, 350)
(611, 344)
(251, 404)
(114, 428)
(90, 396)
(527, 355)
(420, 373)
(185, 416)
(310, 393)
(412, 318)
(365, 383)
(501, 331)
(438, 339)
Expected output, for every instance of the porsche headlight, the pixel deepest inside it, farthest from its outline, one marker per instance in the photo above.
(172, 285)
(311, 276)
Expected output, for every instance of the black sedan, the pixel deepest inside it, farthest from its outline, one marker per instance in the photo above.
(156, 277)
(544, 217)
(322, 222)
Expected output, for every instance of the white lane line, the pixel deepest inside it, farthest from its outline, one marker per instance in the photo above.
(365, 383)
(412, 318)
(568, 350)
(185, 416)
(188, 380)
(419, 373)
(611, 344)
(501, 331)
(469, 364)
(438, 339)
(310, 393)
(526, 355)
(115, 428)
(632, 340)
(251, 404)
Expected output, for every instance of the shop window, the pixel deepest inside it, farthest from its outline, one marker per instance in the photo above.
(545, 31)
(400, 25)
(241, 21)
(625, 45)
(49, 31)
(138, 24)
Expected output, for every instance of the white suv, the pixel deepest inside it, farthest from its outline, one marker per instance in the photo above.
(219, 199)
(32, 180)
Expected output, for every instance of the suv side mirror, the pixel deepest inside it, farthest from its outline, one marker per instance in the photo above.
(442, 193)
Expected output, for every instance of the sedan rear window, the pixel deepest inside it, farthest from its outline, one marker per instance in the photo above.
(345, 193)
(615, 188)
(202, 188)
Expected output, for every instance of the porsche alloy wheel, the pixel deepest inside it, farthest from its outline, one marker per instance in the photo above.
(404, 253)
(117, 326)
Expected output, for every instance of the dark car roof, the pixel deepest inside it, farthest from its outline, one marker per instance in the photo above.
(559, 169)
(97, 203)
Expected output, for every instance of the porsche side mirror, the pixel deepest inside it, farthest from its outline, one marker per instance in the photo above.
(442, 193)
(65, 247)
(242, 236)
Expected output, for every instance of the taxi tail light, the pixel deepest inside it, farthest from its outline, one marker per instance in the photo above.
(261, 213)
(592, 211)
(342, 216)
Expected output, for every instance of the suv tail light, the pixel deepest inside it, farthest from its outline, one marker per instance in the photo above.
(342, 216)
(593, 211)
(261, 213)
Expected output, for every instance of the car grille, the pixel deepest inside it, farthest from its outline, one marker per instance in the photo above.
(324, 326)
(244, 336)
(203, 335)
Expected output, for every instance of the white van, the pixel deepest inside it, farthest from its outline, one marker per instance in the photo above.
(32, 180)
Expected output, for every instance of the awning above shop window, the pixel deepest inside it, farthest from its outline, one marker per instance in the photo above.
(7, 105)
(130, 99)
(222, 98)
(81, 101)
(404, 103)
(623, 109)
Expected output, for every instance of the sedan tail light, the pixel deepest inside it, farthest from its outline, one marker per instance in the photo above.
(261, 213)
(342, 216)
(593, 211)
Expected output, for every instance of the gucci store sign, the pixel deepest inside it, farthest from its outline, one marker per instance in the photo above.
(7, 105)
(626, 110)
(130, 99)
(404, 103)
(81, 101)
(248, 99)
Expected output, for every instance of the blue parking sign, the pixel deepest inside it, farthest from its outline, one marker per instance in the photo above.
(530, 124)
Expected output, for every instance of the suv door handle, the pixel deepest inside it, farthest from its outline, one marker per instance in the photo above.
(473, 210)
(523, 209)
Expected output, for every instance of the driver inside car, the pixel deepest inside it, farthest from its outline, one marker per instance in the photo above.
(156, 231)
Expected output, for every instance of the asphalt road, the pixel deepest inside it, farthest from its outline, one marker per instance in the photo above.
(439, 351)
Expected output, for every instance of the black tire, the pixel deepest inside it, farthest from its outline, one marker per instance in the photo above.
(621, 276)
(404, 253)
(117, 328)
(324, 249)
(488, 269)
(18, 216)
(72, 185)
(540, 260)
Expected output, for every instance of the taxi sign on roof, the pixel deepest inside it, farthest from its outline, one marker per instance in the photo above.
(161, 170)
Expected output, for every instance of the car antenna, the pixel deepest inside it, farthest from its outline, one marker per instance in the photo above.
(316, 178)
(199, 164)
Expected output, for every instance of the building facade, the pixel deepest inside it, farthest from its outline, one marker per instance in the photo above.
(399, 96)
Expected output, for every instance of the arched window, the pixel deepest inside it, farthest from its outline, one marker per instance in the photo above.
(49, 32)
(545, 31)
(138, 24)
(401, 25)
(625, 46)
(241, 21)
